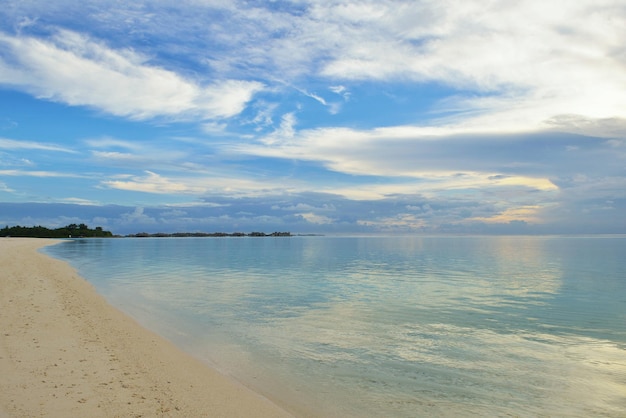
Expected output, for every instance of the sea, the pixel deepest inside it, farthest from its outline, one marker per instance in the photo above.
(386, 326)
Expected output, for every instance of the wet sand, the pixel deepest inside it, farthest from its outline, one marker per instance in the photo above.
(65, 352)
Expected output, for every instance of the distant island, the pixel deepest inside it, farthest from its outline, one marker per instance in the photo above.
(69, 231)
(208, 234)
(83, 231)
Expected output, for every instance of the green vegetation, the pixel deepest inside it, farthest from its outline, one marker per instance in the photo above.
(69, 231)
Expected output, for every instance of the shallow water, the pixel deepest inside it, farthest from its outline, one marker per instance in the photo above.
(386, 326)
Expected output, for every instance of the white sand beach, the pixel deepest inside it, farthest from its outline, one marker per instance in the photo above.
(65, 352)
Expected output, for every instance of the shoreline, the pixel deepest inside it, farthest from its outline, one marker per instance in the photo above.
(64, 351)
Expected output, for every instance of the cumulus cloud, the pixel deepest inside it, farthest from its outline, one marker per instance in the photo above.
(72, 68)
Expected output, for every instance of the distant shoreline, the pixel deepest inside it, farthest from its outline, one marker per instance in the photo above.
(207, 234)
(215, 235)
(83, 231)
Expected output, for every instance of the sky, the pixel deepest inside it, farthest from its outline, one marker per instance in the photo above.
(335, 117)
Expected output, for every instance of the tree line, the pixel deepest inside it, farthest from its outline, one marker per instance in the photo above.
(69, 231)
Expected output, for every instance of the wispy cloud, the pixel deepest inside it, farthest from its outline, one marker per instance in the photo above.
(110, 142)
(198, 184)
(80, 201)
(414, 151)
(153, 183)
(72, 68)
(38, 173)
(13, 144)
(5, 188)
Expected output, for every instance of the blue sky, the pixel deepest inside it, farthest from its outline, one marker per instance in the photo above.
(314, 116)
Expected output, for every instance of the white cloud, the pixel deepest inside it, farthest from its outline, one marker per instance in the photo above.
(37, 173)
(408, 151)
(149, 159)
(74, 69)
(522, 213)
(529, 62)
(109, 142)
(333, 107)
(80, 201)
(314, 97)
(5, 188)
(284, 133)
(264, 114)
(137, 217)
(214, 128)
(117, 156)
(299, 207)
(198, 184)
(400, 222)
(13, 144)
(520, 64)
(342, 91)
(316, 219)
(153, 183)
(533, 60)
(452, 183)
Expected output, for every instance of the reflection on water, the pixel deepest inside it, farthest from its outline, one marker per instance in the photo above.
(424, 326)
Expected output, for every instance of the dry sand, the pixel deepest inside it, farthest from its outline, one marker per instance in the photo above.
(64, 352)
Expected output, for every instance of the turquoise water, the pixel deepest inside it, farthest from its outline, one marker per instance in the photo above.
(386, 326)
